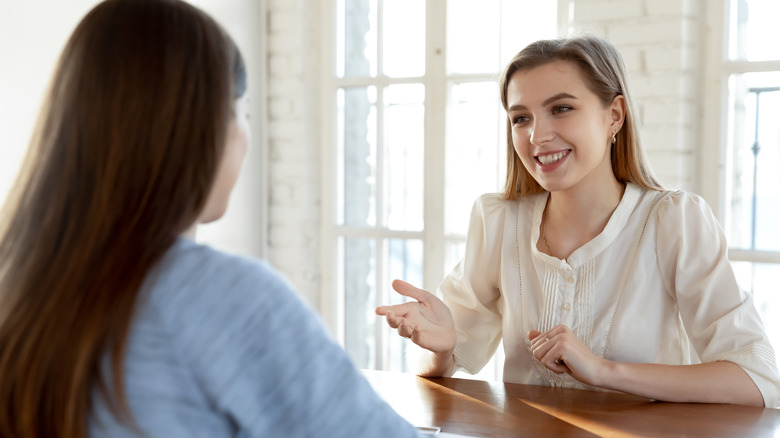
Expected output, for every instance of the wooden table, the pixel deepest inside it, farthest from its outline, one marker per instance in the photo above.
(491, 409)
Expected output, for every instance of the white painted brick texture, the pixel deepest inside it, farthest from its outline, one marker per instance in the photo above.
(659, 43)
(294, 151)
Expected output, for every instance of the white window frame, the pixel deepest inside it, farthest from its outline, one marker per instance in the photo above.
(332, 307)
(437, 84)
(715, 100)
(331, 304)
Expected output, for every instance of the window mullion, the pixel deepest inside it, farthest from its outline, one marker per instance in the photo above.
(754, 256)
(435, 116)
(715, 126)
(380, 274)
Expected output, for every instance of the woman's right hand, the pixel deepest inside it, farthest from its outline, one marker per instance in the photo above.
(426, 321)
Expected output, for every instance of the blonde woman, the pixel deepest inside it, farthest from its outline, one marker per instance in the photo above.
(591, 273)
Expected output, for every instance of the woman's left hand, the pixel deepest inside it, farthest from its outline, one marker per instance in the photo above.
(561, 351)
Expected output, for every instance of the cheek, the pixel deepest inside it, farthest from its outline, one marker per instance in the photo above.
(236, 149)
(227, 174)
(521, 143)
(242, 140)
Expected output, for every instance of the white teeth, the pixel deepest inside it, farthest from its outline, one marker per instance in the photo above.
(548, 159)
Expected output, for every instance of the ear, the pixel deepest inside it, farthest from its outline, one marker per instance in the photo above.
(617, 113)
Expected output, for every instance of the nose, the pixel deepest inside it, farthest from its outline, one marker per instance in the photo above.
(541, 131)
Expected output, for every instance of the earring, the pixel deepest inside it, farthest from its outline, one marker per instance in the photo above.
(614, 140)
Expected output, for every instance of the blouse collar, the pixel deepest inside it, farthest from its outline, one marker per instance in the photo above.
(599, 243)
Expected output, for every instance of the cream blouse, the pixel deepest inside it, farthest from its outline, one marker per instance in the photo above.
(655, 286)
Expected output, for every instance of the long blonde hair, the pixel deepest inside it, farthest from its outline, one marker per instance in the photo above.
(125, 152)
(605, 74)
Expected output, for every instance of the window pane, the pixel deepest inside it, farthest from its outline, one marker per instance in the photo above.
(357, 138)
(754, 206)
(404, 136)
(753, 35)
(482, 37)
(474, 153)
(455, 250)
(357, 33)
(760, 279)
(405, 262)
(404, 38)
(359, 268)
(472, 36)
(525, 21)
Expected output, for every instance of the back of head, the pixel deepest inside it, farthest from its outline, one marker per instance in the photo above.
(604, 72)
(124, 155)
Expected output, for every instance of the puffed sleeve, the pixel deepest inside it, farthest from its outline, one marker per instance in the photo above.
(471, 290)
(719, 318)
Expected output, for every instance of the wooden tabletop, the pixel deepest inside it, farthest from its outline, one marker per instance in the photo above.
(490, 409)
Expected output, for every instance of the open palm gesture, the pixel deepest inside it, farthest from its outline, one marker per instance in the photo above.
(427, 321)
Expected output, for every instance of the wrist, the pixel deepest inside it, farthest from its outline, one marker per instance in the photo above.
(609, 374)
(439, 364)
(444, 359)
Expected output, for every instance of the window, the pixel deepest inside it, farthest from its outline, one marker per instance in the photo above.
(747, 83)
(417, 135)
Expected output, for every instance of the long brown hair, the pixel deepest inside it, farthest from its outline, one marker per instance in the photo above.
(121, 162)
(604, 72)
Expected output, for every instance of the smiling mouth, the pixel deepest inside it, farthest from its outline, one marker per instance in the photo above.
(551, 158)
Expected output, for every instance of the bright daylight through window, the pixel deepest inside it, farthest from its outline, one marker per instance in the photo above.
(752, 204)
(419, 136)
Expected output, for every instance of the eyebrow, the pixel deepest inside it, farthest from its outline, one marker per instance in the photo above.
(546, 102)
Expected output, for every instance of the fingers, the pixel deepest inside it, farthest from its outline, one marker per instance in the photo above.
(547, 351)
(555, 331)
(419, 295)
(553, 347)
(398, 309)
(393, 320)
(405, 331)
(401, 323)
(538, 339)
(541, 345)
(410, 291)
(406, 290)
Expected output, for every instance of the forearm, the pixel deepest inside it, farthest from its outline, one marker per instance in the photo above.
(715, 382)
(437, 364)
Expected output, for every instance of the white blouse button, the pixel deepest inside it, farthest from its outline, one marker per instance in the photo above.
(567, 307)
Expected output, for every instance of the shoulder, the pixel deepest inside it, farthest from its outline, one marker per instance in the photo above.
(490, 204)
(683, 199)
(681, 205)
(687, 229)
(190, 263)
(197, 282)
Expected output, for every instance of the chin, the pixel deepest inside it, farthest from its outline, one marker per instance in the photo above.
(552, 187)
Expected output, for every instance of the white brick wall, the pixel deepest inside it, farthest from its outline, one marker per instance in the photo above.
(293, 141)
(659, 42)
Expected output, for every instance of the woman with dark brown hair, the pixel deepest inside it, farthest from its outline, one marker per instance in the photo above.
(111, 322)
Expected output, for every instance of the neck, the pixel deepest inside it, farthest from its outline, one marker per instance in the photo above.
(586, 204)
(572, 218)
(191, 231)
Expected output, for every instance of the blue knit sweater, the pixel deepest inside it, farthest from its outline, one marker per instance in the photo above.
(221, 346)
